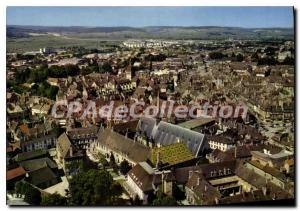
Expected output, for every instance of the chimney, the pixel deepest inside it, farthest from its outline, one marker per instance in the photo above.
(157, 159)
(190, 174)
(264, 190)
(216, 200)
(235, 151)
(198, 181)
(71, 151)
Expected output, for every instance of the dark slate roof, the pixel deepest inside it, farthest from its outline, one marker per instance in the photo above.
(203, 189)
(84, 132)
(32, 165)
(208, 171)
(194, 123)
(41, 176)
(215, 170)
(146, 125)
(130, 126)
(134, 151)
(30, 155)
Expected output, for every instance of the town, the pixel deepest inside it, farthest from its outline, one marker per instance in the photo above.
(161, 160)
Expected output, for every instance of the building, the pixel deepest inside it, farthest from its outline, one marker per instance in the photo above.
(163, 133)
(14, 175)
(221, 143)
(202, 125)
(68, 154)
(139, 180)
(121, 147)
(230, 183)
(41, 136)
(42, 178)
(142, 181)
(83, 137)
(172, 155)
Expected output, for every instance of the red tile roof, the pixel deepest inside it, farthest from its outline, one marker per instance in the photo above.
(16, 172)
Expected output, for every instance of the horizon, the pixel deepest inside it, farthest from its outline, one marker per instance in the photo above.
(137, 27)
(139, 17)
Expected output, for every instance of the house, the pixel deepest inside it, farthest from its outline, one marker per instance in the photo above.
(271, 174)
(67, 153)
(142, 181)
(41, 136)
(39, 153)
(228, 183)
(42, 178)
(40, 109)
(83, 137)
(139, 180)
(14, 175)
(289, 166)
(35, 164)
(273, 159)
(201, 125)
(200, 192)
(221, 142)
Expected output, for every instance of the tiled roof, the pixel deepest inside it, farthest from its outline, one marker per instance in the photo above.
(16, 172)
(142, 178)
(129, 148)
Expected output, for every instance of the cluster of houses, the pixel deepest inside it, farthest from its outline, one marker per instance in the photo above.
(212, 160)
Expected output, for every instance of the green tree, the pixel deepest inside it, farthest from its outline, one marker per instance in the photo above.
(124, 167)
(94, 187)
(32, 195)
(103, 162)
(239, 57)
(53, 200)
(164, 201)
(288, 61)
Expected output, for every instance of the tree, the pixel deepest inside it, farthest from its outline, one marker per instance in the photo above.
(164, 201)
(136, 201)
(288, 61)
(94, 187)
(53, 200)
(112, 162)
(102, 160)
(124, 167)
(216, 55)
(32, 195)
(239, 57)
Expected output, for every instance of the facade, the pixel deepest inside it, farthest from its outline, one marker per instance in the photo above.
(82, 137)
(123, 148)
(221, 143)
(68, 154)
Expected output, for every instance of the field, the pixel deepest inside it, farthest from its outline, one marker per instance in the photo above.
(34, 43)
(31, 38)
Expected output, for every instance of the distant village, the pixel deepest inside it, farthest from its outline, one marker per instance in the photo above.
(161, 161)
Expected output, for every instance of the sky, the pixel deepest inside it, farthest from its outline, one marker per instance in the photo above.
(247, 17)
